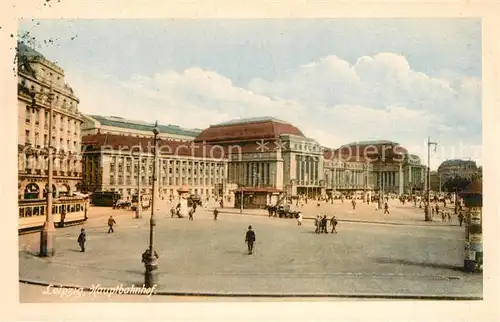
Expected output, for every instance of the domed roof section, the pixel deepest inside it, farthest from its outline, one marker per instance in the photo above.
(247, 129)
(457, 162)
(372, 150)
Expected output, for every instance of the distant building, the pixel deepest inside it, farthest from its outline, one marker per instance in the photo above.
(37, 76)
(367, 166)
(461, 168)
(97, 124)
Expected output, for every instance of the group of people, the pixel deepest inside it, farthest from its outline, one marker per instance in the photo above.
(321, 224)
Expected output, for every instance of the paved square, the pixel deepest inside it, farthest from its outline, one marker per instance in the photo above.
(209, 256)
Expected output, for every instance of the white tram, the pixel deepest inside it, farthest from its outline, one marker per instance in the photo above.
(32, 212)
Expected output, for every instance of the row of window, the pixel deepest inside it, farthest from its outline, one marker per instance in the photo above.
(68, 145)
(59, 101)
(40, 163)
(32, 211)
(165, 181)
(167, 192)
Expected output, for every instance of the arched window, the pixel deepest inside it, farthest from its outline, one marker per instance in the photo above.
(31, 191)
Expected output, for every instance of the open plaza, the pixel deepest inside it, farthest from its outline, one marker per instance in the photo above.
(373, 255)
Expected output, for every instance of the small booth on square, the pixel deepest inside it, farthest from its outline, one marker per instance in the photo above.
(256, 198)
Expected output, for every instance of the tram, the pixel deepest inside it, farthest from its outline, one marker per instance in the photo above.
(32, 213)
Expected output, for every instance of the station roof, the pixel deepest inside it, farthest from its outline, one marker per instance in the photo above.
(131, 144)
(241, 130)
(144, 126)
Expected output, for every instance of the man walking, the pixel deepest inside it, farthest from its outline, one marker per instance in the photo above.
(111, 222)
(216, 213)
(460, 218)
(353, 204)
(250, 240)
(324, 223)
(299, 219)
(82, 238)
(386, 208)
(333, 223)
(317, 223)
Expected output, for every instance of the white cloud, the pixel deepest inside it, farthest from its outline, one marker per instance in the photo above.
(378, 97)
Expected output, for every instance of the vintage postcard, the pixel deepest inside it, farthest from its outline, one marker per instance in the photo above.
(250, 159)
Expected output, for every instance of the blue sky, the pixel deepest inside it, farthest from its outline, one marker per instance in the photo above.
(339, 80)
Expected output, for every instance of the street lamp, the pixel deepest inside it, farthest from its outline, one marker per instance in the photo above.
(47, 234)
(150, 263)
(381, 181)
(427, 206)
(139, 203)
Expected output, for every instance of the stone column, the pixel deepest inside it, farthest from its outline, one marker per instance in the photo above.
(473, 199)
(401, 179)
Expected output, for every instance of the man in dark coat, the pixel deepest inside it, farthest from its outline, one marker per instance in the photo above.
(216, 213)
(324, 223)
(82, 238)
(386, 208)
(111, 222)
(333, 223)
(250, 239)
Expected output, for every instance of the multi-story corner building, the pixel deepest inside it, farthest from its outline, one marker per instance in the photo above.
(97, 124)
(37, 77)
(117, 163)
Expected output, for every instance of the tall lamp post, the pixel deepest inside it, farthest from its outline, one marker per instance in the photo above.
(428, 205)
(151, 264)
(47, 247)
(139, 202)
(381, 179)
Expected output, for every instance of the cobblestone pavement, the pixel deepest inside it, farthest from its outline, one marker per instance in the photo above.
(209, 256)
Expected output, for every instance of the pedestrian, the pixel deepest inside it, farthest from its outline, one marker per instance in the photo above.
(111, 222)
(82, 238)
(317, 223)
(221, 203)
(250, 239)
(460, 218)
(324, 223)
(299, 219)
(191, 212)
(172, 212)
(443, 216)
(333, 223)
(386, 208)
(216, 213)
(353, 204)
(448, 214)
(63, 217)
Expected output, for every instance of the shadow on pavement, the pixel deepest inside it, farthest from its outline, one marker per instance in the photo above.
(420, 264)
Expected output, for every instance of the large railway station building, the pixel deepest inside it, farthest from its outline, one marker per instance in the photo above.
(260, 157)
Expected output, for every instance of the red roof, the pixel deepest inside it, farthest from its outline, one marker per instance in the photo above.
(367, 153)
(99, 142)
(247, 131)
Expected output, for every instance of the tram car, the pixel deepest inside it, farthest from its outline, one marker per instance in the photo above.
(66, 211)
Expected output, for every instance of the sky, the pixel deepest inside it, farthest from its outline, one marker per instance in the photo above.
(337, 80)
